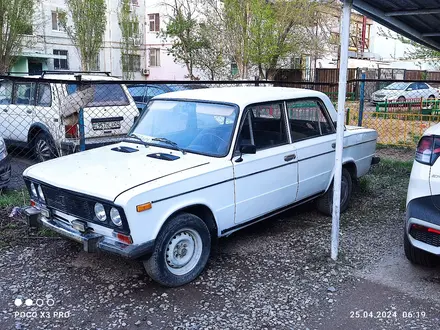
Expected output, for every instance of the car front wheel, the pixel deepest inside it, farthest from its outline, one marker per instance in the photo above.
(181, 251)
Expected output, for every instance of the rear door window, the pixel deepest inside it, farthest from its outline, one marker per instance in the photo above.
(24, 94)
(307, 119)
(103, 94)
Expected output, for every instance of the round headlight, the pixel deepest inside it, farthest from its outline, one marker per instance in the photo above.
(33, 190)
(116, 217)
(40, 194)
(100, 212)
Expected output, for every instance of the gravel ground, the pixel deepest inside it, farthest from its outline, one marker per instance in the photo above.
(274, 275)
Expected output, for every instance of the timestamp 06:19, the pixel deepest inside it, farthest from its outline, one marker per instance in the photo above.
(363, 314)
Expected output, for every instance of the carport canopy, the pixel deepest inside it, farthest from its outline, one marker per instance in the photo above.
(417, 20)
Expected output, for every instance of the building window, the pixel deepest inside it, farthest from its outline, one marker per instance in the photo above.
(60, 64)
(154, 57)
(154, 22)
(132, 62)
(56, 24)
(135, 2)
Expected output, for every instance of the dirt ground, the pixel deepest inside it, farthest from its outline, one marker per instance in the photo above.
(274, 275)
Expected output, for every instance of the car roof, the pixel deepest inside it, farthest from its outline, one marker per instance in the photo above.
(72, 77)
(243, 96)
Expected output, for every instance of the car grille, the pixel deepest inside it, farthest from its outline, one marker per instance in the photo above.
(69, 203)
(424, 236)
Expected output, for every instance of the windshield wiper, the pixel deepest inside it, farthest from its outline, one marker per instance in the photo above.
(134, 136)
(171, 143)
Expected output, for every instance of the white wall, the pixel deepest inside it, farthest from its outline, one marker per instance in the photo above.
(110, 55)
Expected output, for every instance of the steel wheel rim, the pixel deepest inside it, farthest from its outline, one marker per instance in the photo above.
(344, 190)
(183, 251)
(42, 150)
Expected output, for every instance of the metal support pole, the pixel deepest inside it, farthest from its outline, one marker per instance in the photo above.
(361, 99)
(82, 136)
(345, 32)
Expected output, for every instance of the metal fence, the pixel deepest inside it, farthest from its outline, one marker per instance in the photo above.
(46, 117)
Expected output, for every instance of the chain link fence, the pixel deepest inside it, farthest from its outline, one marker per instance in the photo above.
(52, 115)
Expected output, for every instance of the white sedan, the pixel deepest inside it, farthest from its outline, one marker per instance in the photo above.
(198, 165)
(404, 91)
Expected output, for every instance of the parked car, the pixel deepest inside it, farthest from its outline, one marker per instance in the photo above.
(142, 93)
(5, 165)
(422, 223)
(403, 91)
(32, 114)
(198, 165)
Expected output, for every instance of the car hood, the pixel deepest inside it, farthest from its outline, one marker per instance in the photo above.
(105, 173)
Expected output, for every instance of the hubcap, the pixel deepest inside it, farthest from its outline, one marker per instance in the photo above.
(183, 251)
(42, 150)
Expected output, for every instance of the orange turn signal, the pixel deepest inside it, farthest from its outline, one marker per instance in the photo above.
(124, 238)
(144, 207)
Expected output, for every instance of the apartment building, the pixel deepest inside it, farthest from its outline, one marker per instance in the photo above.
(51, 48)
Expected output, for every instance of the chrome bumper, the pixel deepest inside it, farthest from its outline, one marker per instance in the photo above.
(92, 242)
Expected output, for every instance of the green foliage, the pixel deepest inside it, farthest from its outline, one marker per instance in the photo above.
(16, 18)
(129, 25)
(87, 32)
(14, 198)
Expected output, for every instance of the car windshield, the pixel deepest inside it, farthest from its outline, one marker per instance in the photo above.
(198, 127)
(397, 86)
(104, 95)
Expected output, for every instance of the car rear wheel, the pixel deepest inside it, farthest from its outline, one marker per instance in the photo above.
(44, 147)
(181, 251)
(417, 256)
(324, 204)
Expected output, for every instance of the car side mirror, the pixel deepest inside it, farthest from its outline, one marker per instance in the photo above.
(246, 149)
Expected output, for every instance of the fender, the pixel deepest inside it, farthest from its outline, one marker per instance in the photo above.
(41, 127)
(346, 160)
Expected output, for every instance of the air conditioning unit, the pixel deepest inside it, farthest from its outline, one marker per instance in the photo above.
(145, 72)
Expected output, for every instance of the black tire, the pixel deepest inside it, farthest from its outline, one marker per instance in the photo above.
(163, 266)
(431, 97)
(324, 204)
(417, 256)
(44, 147)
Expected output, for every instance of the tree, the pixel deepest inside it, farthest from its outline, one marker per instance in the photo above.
(15, 22)
(129, 25)
(87, 32)
(416, 51)
(184, 29)
(264, 33)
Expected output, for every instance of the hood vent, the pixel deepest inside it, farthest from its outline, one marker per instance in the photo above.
(124, 149)
(163, 156)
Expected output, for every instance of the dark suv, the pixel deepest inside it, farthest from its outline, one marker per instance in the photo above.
(142, 93)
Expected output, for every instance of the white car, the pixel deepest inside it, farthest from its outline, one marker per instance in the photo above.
(198, 165)
(5, 165)
(404, 91)
(422, 224)
(43, 114)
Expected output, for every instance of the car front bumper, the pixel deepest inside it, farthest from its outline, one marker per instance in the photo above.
(423, 212)
(5, 171)
(91, 241)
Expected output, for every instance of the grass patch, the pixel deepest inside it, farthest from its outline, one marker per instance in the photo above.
(13, 198)
(392, 167)
(364, 185)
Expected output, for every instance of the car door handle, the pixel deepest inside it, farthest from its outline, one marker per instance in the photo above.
(288, 158)
(29, 111)
(5, 110)
(333, 145)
